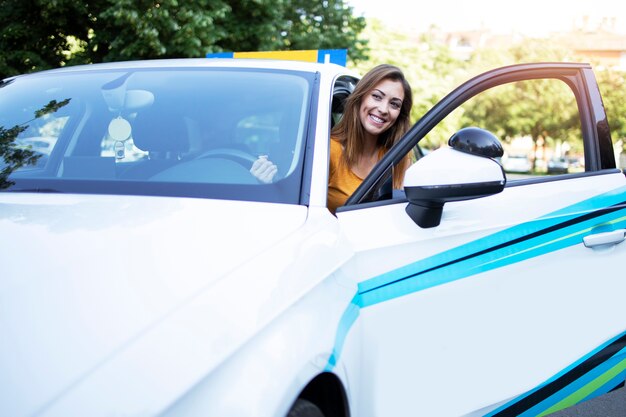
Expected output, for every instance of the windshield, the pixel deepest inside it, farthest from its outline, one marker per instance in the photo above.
(173, 132)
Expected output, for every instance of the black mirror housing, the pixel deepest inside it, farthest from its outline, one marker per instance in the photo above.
(463, 171)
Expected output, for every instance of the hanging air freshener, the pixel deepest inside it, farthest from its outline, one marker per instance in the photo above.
(119, 131)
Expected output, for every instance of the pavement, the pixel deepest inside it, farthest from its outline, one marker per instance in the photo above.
(612, 404)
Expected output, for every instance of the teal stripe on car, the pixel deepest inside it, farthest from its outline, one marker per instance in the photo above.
(345, 323)
(505, 237)
(422, 275)
(552, 232)
(548, 234)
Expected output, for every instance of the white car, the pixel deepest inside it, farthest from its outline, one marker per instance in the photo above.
(517, 163)
(145, 272)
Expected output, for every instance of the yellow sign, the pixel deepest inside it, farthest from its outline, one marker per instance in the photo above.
(335, 56)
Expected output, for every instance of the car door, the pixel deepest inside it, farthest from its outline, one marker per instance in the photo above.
(513, 303)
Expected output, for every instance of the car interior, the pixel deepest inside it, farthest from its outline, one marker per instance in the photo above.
(174, 127)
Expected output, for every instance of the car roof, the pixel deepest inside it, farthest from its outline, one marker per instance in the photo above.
(323, 68)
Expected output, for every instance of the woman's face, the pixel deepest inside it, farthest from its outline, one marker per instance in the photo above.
(381, 106)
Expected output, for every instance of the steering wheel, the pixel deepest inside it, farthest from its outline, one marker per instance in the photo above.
(241, 157)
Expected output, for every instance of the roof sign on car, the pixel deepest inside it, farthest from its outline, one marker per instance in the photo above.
(334, 56)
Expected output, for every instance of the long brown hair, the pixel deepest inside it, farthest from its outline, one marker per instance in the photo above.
(350, 132)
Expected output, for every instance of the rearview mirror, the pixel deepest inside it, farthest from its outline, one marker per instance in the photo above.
(463, 171)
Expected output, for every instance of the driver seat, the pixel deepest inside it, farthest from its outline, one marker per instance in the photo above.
(164, 135)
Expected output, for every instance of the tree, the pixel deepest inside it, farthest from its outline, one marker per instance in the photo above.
(548, 114)
(37, 34)
(326, 24)
(41, 34)
(11, 156)
(251, 25)
(145, 29)
(14, 155)
(544, 110)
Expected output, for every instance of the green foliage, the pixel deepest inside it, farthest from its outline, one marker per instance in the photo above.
(327, 24)
(540, 109)
(269, 25)
(13, 155)
(251, 25)
(34, 33)
(543, 110)
(143, 29)
(51, 107)
(41, 34)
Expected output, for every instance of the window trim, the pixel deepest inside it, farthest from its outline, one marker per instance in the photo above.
(578, 76)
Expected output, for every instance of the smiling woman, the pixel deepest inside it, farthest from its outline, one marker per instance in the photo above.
(376, 115)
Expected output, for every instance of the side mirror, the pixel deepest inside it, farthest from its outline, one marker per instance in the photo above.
(463, 171)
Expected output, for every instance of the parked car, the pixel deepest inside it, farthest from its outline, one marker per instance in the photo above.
(558, 166)
(517, 163)
(145, 271)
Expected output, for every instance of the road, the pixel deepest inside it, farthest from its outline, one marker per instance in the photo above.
(612, 404)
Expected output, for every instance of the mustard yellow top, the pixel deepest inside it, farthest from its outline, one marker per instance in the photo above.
(342, 182)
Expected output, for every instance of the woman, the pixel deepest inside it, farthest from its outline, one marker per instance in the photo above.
(376, 115)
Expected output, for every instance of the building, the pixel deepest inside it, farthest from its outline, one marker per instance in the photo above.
(593, 40)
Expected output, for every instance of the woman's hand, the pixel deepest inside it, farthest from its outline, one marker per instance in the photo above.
(263, 169)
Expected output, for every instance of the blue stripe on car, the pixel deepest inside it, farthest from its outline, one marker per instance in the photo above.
(552, 232)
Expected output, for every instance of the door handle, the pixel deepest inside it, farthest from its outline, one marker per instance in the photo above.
(607, 238)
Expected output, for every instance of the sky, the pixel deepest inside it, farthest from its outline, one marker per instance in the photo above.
(529, 17)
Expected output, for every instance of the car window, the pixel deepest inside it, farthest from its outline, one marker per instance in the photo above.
(149, 131)
(343, 87)
(541, 112)
(40, 136)
(537, 122)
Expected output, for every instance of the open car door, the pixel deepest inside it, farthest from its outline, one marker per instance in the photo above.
(509, 301)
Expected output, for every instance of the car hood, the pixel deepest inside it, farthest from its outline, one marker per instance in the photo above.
(84, 277)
